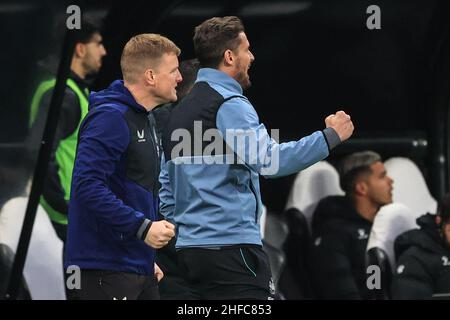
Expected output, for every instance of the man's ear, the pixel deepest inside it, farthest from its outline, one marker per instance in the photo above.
(361, 188)
(228, 57)
(80, 50)
(438, 220)
(150, 77)
(447, 228)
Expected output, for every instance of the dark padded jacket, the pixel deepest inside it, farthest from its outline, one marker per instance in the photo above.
(340, 238)
(423, 264)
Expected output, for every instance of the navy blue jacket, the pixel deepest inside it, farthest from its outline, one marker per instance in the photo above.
(114, 185)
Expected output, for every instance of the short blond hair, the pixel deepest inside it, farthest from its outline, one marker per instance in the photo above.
(144, 51)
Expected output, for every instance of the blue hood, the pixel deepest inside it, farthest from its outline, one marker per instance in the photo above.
(115, 93)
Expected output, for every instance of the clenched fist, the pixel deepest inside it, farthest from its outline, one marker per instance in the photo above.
(159, 234)
(341, 123)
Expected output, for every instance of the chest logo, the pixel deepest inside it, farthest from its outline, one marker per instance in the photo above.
(400, 269)
(317, 241)
(140, 134)
(362, 234)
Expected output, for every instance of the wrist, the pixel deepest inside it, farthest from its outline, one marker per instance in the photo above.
(144, 228)
(331, 137)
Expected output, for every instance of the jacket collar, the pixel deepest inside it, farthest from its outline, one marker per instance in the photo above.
(214, 76)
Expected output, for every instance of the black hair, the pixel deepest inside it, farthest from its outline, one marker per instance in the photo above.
(214, 36)
(88, 27)
(188, 69)
(355, 165)
(444, 209)
(87, 30)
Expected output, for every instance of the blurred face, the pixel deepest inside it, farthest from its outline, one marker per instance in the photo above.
(244, 60)
(379, 185)
(94, 52)
(444, 230)
(446, 233)
(166, 77)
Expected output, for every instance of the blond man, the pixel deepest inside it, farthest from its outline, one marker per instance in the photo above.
(113, 229)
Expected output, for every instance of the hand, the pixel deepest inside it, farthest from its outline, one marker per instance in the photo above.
(159, 234)
(341, 123)
(158, 273)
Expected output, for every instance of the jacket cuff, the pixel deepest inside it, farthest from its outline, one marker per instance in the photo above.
(331, 137)
(143, 229)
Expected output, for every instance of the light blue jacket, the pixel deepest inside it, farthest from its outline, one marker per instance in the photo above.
(220, 204)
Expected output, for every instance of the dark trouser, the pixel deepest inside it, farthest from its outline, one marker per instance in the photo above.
(173, 286)
(111, 285)
(236, 272)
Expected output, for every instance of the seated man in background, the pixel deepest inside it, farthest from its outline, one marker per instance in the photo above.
(423, 266)
(341, 227)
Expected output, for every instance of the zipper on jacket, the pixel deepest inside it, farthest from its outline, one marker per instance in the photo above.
(256, 198)
(157, 150)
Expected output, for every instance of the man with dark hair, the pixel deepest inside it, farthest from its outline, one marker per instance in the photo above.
(174, 285)
(423, 257)
(86, 61)
(113, 213)
(211, 191)
(341, 227)
(188, 70)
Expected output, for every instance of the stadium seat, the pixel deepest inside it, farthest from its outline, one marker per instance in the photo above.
(311, 185)
(43, 265)
(6, 262)
(295, 281)
(391, 221)
(275, 234)
(410, 187)
(286, 241)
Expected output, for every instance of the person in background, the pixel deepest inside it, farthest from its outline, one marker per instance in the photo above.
(423, 257)
(341, 226)
(86, 62)
(174, 285)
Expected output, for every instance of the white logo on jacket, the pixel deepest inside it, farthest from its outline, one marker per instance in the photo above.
(317, 241)
(140, 135)
(362, 234)
(400, 269)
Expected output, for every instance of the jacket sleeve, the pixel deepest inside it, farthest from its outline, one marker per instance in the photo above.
(103, 139)
(167, 202)
(239, 124)
(331, 267)
(411, 280)
(69, 117)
